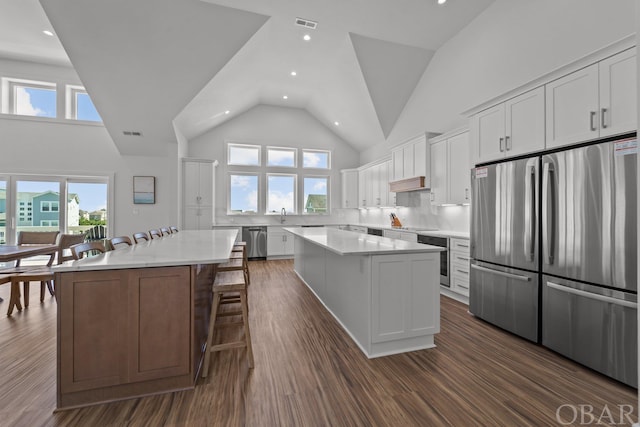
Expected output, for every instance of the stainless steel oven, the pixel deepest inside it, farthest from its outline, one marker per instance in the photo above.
(444, 255)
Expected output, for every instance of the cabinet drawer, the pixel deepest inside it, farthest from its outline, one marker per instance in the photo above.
(460, 285)
(459, 245)
(460, 258)
(461, 271)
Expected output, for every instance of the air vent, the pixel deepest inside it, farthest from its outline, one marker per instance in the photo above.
(132, 133)
(306, 23)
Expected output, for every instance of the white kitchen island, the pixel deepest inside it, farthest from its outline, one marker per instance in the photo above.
(384, 292)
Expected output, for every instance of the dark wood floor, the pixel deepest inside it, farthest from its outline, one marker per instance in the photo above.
(308, 372)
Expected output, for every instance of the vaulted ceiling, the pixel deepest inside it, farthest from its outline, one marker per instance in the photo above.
(150, 65)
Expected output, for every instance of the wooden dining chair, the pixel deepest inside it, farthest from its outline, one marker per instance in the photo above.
(140, 236)
(37, 238)
(155, 234)
(65, 241)
(120, 240)
(165, 231)
(174, 229)
(81, 249)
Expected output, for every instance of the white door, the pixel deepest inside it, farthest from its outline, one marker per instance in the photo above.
(489, 130)
(618, 94)
(572, 108)
(524, 123)
(459, 169)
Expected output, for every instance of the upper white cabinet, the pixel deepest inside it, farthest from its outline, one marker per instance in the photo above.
(373, 185)
(411, 159)
(511, 128)
(596, 101)
(349, 188)
(198, 197)
(450, 168)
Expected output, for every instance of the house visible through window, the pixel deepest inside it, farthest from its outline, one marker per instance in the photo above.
(315, 194)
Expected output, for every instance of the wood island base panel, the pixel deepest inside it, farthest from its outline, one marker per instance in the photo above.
(131, 332)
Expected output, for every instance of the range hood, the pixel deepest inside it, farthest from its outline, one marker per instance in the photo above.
(408, 184)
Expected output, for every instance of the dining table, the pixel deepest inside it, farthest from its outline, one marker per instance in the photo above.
(9, 253)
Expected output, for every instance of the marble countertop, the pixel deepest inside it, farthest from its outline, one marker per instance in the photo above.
(345, 242)
(183, 248)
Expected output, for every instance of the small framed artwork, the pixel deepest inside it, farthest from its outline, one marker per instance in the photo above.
(144, 190)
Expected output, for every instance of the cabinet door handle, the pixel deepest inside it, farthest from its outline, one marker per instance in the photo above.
(603, 121)
(591, 120)
(501, 145)
(507, 145)
(466, 194)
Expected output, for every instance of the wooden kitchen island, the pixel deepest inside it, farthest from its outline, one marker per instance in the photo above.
(384, 292)
(134, 321)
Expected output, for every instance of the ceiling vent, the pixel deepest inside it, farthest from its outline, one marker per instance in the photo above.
(306, 23)
(132, 133)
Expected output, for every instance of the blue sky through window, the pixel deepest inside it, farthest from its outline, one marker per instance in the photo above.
(85, 108)
(243, 193)
(315, 159)
(31, 101)
(281, 193)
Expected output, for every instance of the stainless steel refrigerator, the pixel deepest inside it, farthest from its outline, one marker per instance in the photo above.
(554, 252)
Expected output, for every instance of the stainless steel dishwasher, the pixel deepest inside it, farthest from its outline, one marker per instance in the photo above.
(256, 238)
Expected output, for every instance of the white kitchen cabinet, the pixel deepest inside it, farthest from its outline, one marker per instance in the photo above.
(198, 197)
(439, 162)
(363, 188)
(460, 261)
(511, 128)
(450, 168)
(596, 101)
(401, 235)
(349, 188)
(373, 185)
(279, 243)
(411, 159)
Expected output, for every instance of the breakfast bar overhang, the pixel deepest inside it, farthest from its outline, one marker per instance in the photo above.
(384, 292)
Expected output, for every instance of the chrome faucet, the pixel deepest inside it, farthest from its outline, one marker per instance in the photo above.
(283, 214)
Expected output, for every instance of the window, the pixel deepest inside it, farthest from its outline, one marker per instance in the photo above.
(79, 105)
(243, 155)
(243, 193)
(283, 157)
(49, 223)
(281, 193)
(315, 194)
(29, 98)
(317, 159)
(49, 206)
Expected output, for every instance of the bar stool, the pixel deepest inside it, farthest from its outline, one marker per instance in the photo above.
(225, 283)
(239, 251)
(137, 237)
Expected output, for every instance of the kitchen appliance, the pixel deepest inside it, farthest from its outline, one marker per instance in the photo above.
(554, 252)
(256, 239)
(443, 242)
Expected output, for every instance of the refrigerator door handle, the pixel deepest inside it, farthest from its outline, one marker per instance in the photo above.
(501, 273)
(548, 211)
(530, 213)
(590, 295)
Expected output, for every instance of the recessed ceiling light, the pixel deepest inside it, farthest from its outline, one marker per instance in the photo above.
(227, 112)
(285, 97)
(307, 37)
(442, 1)
(293, 73)
(336, 123)
(49, 33)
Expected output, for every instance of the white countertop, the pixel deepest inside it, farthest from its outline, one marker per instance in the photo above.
(444, 233)
(182, 248)
(345, 242)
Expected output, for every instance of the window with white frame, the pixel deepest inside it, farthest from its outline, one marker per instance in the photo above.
(243, 193)
(316, 159)
(281, 157)
(281, 193)
(79, 106)
(243, 155)
(316, 194)
(49, 206)
(29, 98)
(49, 223)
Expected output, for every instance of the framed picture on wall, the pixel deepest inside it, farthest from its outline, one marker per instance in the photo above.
(144, 190)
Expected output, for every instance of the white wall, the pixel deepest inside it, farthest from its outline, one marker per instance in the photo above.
(277, 126)
(510, 44)
(39, 147)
